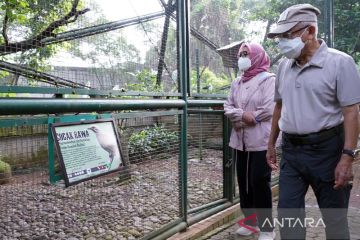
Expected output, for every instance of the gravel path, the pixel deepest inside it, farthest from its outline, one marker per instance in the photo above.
(105, 208)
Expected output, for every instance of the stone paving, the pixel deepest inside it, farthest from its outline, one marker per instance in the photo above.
(312, 210)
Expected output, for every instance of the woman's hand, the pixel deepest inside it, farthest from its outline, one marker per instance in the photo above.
(249, 119)
(238, 125)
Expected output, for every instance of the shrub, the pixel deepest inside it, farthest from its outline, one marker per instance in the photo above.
(152, 140)
(5, 172)
(146, 82)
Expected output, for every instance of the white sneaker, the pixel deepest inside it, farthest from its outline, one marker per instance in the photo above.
(267, 235)
(243, 231)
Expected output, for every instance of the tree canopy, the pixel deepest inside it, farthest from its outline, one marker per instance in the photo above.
(26, 23)
(346, 16)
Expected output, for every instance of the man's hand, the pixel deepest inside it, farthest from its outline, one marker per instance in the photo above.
(271, 158)
(249, 119)
(343, 172)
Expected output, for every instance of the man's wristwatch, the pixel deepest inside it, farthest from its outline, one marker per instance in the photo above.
(351, 153)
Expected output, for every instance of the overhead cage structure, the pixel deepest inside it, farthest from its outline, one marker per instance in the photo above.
(155, 74)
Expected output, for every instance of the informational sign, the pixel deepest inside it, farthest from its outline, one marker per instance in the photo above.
(87, 149)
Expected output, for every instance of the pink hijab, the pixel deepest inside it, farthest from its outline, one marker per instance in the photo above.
(260, 61)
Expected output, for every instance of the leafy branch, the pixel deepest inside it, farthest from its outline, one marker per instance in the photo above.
(36, 41)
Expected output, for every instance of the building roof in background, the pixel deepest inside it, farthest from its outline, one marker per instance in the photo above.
(228, 54)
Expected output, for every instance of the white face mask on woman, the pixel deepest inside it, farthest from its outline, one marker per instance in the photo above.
(291, 48)
(244, 63)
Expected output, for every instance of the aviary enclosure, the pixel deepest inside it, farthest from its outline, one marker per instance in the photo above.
(155, 67)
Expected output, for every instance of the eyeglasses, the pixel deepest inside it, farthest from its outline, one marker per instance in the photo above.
(243, 54)
(290, 34)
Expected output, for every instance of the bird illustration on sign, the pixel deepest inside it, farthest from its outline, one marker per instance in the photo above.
(108, 142)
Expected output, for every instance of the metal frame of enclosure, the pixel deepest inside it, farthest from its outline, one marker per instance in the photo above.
(179, 105)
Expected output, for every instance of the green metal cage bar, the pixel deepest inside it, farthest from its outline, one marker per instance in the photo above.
(83, 91)
(183, 44)
(33, 121)
(14, 106)
(205, 103)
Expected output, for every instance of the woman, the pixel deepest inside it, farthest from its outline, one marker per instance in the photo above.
(249, 107)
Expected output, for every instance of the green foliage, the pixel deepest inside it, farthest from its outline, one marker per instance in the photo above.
(27, 19)
(146, 82)
(209, 81)
(16, 10)
(5, 172)
(3, 74)
(112, 54)
(268, 12)
(7, 95)
(217, 20)
(112, 51)
(37, 159)
(347, 16)
(156, 139)
(347, 33)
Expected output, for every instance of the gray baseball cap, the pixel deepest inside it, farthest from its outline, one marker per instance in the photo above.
(292, 16)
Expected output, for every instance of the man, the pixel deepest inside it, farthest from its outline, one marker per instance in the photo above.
(317, 95)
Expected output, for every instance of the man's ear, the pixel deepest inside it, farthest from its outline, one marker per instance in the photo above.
(312, 32)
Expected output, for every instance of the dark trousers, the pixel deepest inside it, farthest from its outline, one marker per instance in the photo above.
(312, 165)
(254, 177)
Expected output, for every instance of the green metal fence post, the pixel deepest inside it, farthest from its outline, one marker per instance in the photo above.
(183, 31)
(197, 62)
(53, 178)
(51, 160)
(228, 164)
(200, 137)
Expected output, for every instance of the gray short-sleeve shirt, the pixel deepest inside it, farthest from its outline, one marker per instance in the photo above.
(312, 96)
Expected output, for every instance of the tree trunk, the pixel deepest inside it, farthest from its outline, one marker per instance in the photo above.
(267, 31)
(168, 11)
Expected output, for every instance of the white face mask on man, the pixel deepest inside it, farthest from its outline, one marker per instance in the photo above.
(244, 63)
(291, 48)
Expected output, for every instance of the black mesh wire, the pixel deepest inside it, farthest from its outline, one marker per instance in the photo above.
(126, 46)
(24, 147)
(128, 204)
(91, 44)
(218, 27)
(205, 159)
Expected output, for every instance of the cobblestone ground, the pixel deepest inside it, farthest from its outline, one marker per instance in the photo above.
(312, 210)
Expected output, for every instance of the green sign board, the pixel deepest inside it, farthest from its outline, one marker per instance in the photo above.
(87, 149)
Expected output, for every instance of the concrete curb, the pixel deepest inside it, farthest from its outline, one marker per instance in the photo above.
(208, 225)
(214, 224)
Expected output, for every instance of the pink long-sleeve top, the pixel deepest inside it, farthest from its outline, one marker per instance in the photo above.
(255, 96)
